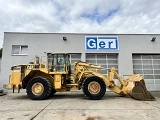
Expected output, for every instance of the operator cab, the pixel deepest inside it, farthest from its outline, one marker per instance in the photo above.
(58, 62)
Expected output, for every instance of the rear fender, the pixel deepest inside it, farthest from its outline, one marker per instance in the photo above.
(33, 74)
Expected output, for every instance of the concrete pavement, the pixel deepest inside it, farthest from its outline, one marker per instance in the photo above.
(75, 106)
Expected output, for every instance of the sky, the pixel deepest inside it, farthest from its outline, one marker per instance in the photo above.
(80, 16)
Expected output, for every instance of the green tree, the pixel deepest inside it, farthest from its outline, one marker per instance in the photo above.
(1, 52)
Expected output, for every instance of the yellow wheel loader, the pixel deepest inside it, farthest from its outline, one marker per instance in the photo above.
(43, 79)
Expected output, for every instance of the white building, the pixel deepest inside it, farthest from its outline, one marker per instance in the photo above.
(129, 53)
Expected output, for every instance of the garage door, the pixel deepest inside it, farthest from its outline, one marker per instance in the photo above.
(105, 60)
(74, 58)
(149, 67)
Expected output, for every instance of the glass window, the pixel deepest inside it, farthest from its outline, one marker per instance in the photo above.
(74, 57)
(16, 49)
(146, 56)
(139, 67)
(19, 50)
(105, 60)
(24, 49)
(136, 57)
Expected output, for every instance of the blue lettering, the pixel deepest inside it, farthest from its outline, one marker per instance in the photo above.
(91, 43)
(109, 44)
(102, 44)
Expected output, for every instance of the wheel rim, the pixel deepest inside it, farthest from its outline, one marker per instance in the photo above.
(37, 88)
(94, 87)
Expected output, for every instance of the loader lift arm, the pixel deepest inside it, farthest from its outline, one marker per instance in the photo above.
(133, 86)
(137, 89)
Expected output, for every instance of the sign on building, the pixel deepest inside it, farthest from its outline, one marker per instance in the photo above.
(101, 43)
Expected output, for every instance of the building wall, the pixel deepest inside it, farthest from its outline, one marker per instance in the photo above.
(42, 43)
(0, 64)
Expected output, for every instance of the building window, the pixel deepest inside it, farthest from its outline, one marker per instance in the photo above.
(105, 60)
(19, 50)
(74, 57)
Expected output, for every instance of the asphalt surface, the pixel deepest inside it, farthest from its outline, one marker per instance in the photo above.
(75, 106)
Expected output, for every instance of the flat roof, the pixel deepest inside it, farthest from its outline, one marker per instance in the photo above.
(80, 33)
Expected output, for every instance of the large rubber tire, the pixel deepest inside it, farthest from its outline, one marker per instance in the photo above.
(53, 91)
(98, 85)
(44, 91)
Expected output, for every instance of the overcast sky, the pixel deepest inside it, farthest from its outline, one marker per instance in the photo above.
(80, 16)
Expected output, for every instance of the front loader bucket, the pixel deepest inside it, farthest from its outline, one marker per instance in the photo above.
(140, 91)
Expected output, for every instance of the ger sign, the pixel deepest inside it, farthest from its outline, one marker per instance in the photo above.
(101, 43)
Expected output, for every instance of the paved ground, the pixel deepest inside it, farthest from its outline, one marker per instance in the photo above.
(74, 106)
